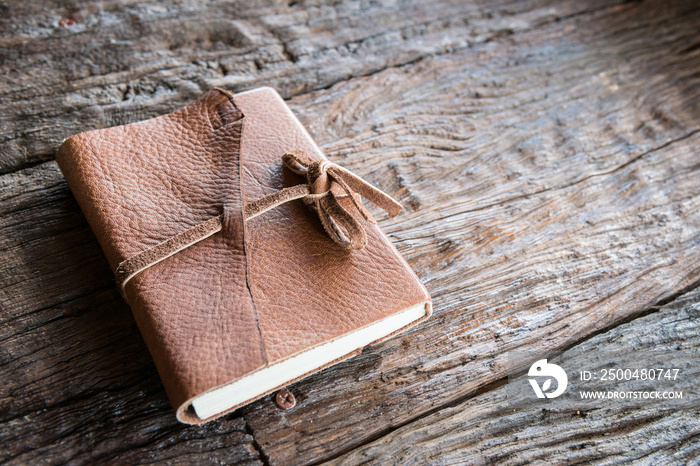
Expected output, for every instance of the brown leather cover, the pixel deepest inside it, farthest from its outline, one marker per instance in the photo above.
(257, 292)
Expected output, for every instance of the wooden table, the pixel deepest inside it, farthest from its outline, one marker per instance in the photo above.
(548, 157)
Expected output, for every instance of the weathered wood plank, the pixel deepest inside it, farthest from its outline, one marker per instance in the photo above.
(551, 185)
(487, 429)
(569, 202)
(78, 383)
(112, 63)
(616, 259)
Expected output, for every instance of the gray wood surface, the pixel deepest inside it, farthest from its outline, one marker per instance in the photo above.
(546, 153)
(117, 62)
(497, 427)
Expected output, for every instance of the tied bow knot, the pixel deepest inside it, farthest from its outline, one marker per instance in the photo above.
(327, 185)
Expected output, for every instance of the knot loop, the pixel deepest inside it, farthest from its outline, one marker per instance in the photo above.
(316, 173)
(328, 182)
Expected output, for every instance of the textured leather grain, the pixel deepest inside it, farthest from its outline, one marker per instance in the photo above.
(258, 291)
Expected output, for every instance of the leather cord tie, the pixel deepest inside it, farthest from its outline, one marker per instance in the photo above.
(327, 182)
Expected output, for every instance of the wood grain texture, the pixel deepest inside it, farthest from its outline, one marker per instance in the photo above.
(87, 65)
(78, 384)
(547, 154)
(494, 427)
(540, 213)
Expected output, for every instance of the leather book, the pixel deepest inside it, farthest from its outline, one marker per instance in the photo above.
(247, 257)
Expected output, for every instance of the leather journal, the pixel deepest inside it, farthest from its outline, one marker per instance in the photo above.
(247, 258)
